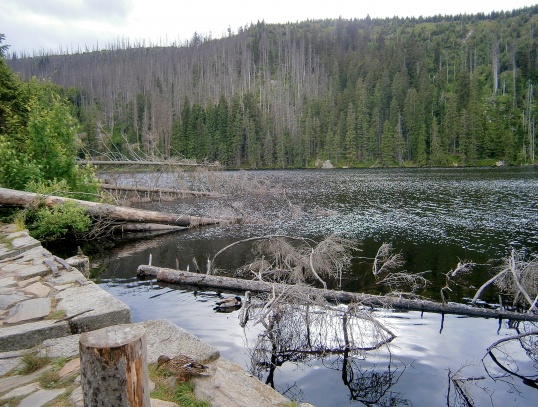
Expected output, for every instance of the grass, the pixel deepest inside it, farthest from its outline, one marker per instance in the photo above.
(6, 242)
(56, 314)
(31, 363)
(47, 380)
(180, 393)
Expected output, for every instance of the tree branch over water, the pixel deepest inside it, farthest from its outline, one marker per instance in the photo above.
(518, 278)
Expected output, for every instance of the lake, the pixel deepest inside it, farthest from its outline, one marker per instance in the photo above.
(434, 217)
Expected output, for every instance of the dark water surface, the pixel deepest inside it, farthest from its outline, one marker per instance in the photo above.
(434, 217)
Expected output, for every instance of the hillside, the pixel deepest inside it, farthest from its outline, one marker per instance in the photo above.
(428, 91)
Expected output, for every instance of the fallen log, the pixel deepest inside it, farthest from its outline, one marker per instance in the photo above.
(149, 190)
(143, 163)
(11, 197)
(236, 284)
(146, 227)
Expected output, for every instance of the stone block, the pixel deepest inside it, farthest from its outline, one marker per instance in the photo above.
(64, 347)
(32, 271)
(27, 336)
(29, 310)
(65, 277)
(21, 391)
(10, 297)
(229, 385)
(28, 282)
(71, 367)
(7, 282)
(40, 398)
(166, 338)
(37, 289)
(97, 308)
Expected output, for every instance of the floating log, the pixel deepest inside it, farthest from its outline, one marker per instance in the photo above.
(155, 191)
(236, 284)
(113, 367)
(146, 227)
(132, 163)
(111, 212)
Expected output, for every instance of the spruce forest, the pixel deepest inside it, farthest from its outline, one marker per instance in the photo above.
(436, 91)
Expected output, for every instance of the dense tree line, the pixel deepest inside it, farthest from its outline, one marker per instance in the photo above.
(424, 91)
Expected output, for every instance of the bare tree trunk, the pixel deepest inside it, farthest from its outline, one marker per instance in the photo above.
(150, 190)
(495, 64)
(205, 280)
(105, 211)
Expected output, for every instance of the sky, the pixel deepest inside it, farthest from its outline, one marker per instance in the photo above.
(70, 25)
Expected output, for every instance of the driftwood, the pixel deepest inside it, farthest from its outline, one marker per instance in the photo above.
(11, 197)
(159, 191)
(228, 283)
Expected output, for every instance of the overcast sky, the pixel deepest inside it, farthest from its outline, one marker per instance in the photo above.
(53, 25)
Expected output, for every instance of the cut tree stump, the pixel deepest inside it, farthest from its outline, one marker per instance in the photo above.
(114, 370)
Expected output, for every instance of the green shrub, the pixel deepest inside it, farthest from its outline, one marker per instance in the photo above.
(56, 222)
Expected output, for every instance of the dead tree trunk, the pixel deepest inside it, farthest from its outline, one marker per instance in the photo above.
(113, 364)
(228, 283)
(13, 197)
(157, 191)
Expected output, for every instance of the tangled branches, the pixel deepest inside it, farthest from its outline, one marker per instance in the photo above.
(517, 278)
(385, 269)
(293, 260)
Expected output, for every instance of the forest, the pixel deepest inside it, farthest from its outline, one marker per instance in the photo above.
(435, 91)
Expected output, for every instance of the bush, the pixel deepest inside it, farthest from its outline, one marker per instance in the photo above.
(56, 222)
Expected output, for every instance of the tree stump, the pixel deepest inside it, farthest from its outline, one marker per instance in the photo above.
(114, 370)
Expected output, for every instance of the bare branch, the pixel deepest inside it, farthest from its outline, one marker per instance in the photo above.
(486, 284)
(386, 261)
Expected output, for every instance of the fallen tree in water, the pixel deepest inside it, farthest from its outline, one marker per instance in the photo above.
(287, 261)
(112, 213)
(236, 284)
(157, 193)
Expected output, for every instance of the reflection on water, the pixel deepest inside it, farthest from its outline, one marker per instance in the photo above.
(414, 369)
(434, 217)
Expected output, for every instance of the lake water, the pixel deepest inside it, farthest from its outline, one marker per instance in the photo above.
(434, 217)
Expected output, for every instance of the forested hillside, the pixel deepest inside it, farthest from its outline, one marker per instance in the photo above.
(432, 91)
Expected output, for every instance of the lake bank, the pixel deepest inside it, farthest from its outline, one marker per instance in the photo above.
(46, 303)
